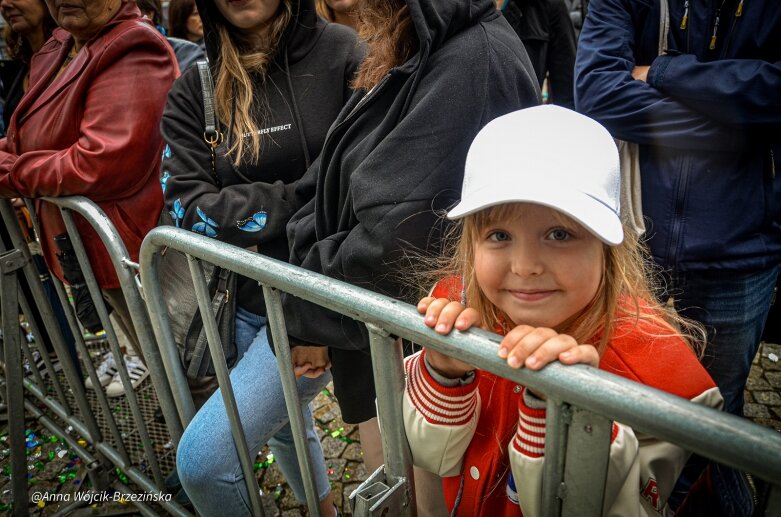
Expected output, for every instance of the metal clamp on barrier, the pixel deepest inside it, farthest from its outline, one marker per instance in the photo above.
(13, 260)
(375, 498)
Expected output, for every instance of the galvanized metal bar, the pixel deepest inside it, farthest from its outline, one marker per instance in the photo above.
(88, 366)
(388, 366)
(558, 418)
(276, 320)
(585, 473)
(50, 322)
(223, 378)
(10, 263)
(725, 438)
(100, 306)
(27, 310)
(118, 254)
(169, 352)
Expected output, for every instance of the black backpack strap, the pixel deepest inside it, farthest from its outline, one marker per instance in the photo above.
(211, 132)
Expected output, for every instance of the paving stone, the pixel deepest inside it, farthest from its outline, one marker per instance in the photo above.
(332, 447)
(756, 381)
(769, 422)
(335, 468)
(360, 472)
(353, 452)
(768, 398)
(293, 513)
(774, 378)
(748, 398)
(273, 477)
(269, 505)
(755, 411)
(776, 411)
(327, 413)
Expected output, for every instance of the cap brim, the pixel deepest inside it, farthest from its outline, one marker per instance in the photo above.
(598, 218)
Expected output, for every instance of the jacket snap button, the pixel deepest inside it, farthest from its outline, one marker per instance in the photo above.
(517, 388)
(474, 473)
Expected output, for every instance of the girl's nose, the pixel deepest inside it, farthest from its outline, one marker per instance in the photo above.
(527, 261)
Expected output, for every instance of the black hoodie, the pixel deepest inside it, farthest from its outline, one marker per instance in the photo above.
(390, 160)
(306, 87)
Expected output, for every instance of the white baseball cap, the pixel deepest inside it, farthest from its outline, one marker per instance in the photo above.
(547, 155)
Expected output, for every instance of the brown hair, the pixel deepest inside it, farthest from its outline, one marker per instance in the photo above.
(178, 13)
(234, 92)
(324, 10)
(153, 6)
(387, 28)
(18, 46)
(625, 293)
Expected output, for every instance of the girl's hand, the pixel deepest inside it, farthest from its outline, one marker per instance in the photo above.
(443, 315)
(534, 347)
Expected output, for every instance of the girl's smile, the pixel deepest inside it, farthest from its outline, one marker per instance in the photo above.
(538, 266)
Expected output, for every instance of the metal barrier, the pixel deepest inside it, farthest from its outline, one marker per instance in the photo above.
(581, 400)
(108, 449)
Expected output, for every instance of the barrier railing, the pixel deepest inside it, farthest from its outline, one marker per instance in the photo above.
(582, 401)
(109, 449)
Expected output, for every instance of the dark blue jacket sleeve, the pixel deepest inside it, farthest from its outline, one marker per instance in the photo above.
(732, 91)
(630, 109)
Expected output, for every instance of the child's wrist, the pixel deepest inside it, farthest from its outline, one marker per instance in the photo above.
(438, 364)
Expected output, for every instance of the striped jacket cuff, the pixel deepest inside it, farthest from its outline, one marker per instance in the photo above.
(438, 404)
(529, 440)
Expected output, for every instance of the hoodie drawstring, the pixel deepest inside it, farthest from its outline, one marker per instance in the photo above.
(296, 113)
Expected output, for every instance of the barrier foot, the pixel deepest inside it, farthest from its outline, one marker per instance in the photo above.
(375, 498)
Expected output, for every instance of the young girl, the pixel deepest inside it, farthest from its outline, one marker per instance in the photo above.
(543, 259)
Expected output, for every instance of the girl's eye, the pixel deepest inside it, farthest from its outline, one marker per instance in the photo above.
(559, 234)
(499, 236)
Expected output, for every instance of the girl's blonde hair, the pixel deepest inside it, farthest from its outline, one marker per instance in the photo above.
(626, 292)
(241, 63)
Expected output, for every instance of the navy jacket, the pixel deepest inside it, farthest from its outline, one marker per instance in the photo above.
(708, 123)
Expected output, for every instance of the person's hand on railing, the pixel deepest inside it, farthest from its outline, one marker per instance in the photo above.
(310, 361)
(444, 315)
(532, 347)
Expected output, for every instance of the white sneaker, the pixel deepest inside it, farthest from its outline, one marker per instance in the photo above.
(137, 372)
(105, 370)
(40, 365)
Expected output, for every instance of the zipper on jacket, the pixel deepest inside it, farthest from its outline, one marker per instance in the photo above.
(772, 164)
(680, 201)
(357, 110)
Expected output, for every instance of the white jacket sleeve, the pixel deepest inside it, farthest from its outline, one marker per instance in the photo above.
(440, 421)
(641, 473)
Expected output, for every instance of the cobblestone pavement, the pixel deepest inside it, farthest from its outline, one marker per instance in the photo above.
(341, 445)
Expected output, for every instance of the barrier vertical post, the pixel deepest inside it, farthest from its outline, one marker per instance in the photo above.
(388, 366)
(588, 451)
(223, 378)
(10, 263)
(276, 319)
(559, 416)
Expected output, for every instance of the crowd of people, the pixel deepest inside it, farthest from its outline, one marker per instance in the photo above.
(363, 139)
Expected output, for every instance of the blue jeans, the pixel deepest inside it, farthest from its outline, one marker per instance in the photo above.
(733, 307)
(206, 459)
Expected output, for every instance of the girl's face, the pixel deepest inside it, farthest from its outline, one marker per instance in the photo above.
(194, 26)
(24, 16)
(248, 15)
(538, 266)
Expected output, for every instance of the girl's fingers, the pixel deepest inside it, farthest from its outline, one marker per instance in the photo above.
(424, 303)
(522, 341)
(467, 319)
(582, 354)
(549, 350)
(441, 313)
(536, 347)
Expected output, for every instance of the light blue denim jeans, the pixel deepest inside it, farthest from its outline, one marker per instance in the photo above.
(206, 459)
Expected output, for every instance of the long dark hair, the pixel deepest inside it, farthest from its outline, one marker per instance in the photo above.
(18, 46)
(178, 13)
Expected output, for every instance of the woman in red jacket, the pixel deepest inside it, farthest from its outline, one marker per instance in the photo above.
(88, 125)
